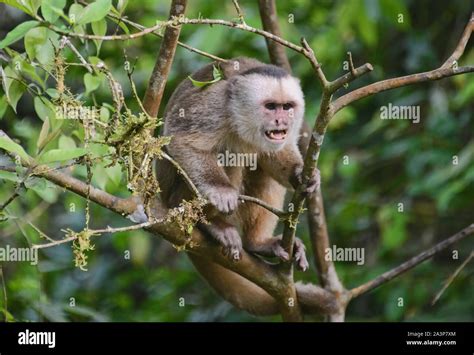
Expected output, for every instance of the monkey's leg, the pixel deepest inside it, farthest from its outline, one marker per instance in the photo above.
(225, 234)
(251, 298)
(258, 224)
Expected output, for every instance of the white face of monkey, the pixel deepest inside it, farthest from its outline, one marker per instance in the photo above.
(267, 111)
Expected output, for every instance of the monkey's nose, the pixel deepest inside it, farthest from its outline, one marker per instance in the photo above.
(281, 122)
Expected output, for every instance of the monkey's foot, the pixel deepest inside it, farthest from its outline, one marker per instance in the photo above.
(228, 236)
(312, 184)
(273, 248)
(225, 199)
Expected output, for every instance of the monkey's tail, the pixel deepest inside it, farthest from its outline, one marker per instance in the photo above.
(251, 298)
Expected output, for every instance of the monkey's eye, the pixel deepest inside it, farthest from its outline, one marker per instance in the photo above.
(287, 106)
(271, 106)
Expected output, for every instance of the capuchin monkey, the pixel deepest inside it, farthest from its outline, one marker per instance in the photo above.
(253, 114)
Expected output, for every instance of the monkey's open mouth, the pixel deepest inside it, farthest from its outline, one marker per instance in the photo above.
(276, 135)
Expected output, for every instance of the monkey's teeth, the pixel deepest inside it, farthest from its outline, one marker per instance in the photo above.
(276, 134)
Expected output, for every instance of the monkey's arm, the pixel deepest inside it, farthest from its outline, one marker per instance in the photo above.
(214, 184)
(286, 167)
(201, 166)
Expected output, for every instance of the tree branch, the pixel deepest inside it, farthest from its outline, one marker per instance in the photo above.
(252, 268)
(459, 50)
(181, 44)
(452, 277)
(239, 11)
(409, 264)
(449, 68)
(316, 218)
(269, 17)
(159, 76)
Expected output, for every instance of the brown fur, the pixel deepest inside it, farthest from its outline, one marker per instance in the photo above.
(207, 129)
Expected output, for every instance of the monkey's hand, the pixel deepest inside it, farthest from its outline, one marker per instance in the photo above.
(311, 185)
(225, 199)
(273, 248)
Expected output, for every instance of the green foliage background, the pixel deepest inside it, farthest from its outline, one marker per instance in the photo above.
(391, 162)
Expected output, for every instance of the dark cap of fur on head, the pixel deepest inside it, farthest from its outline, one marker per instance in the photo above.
(268, 70)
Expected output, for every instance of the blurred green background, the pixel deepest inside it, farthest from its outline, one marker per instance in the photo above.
(390, 162)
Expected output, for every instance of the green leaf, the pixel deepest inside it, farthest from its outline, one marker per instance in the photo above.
(18, 33)
(91, 82)
(43, 134)
(6, 175)
(47, 191)
(28, 6)
(122, 25)
(13, 88)
(100, 29)
(121, 5)
(18, 4)
(55, 155)
(216, 73)
(66, 142)
(10, 146)
(200, 84)
(44, 108)
(53, 93)
(22, 66)
(38, 45)
(51, 9)
(94, 12)
(104, 114)
(4, 105)
(99, 176)
(33, 5)
(75, 11)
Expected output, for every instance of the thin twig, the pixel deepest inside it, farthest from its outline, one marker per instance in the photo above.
(181, 44)
(350, 76)
(13, 196)
(447, 69)
(281, 214)
(309, 53)
(32, 215)
(459, 50)
(97, 232)
(351, 63)
(411, 263)
(78, 55)
(32, 225)
(5, 298)
(239, 12)
(183, 173)
(451, 278)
